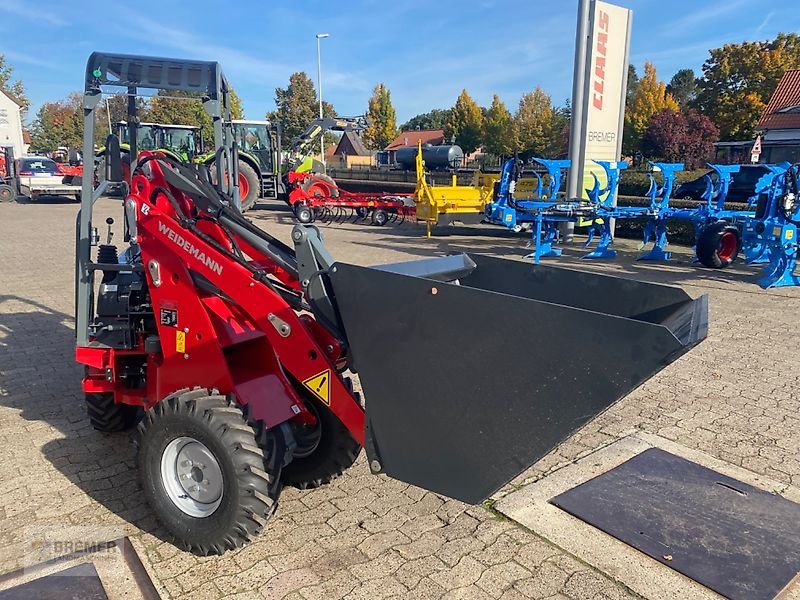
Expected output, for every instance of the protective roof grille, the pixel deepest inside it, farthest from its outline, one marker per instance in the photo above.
(123, 70)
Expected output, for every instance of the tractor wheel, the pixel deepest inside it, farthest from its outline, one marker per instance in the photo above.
(323, 452)
(7, 193)
(719, 245)
(362, 212)
(249, 186)
(211, 477)
(304, 214)
(380, 217)
(108, 416)
(321, 186)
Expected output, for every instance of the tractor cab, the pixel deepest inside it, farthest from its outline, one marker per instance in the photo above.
(182, 142)
(260, 140)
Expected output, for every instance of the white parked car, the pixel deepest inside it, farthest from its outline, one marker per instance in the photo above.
(40, 176)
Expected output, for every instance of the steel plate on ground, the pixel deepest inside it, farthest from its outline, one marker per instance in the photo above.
(738, 540)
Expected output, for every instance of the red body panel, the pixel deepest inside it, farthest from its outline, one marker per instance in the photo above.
(225, 342)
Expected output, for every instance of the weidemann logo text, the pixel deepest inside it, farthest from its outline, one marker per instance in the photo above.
(190, 248)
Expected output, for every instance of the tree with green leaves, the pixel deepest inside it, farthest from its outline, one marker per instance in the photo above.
(651, 97)
(382, 119)
(499, 130)
(535, 122)
(739, 79)
(297, 105)
(633, 83)
(174, 107)
(683, 87)
(13, 86)
(58, 124)
(434, 119)
(465, 123)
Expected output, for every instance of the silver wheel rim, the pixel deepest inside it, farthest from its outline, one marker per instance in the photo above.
(191, 477)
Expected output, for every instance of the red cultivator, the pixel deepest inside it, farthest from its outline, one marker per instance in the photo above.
(316, 199)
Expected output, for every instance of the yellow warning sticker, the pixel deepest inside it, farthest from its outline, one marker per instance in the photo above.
(776, 231)
(180, 342)
(790, 234)
(320, 386)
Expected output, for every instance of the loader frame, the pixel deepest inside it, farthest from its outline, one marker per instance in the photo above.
(135, 73)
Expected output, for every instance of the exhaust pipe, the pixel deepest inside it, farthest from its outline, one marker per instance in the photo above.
(476, 367)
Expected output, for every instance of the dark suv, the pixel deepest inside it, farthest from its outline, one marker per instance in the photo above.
(743, 184)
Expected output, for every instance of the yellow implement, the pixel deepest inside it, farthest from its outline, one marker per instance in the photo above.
(433, 201)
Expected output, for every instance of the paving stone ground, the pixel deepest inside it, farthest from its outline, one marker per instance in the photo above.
(735, 397)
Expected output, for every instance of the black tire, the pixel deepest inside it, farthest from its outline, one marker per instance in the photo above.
(362, 212)
(718, 245)
(108, 416)
(7, 193)
(380, 217)
(304, 214)
(254, 183)
(249, 459)
(322, 453)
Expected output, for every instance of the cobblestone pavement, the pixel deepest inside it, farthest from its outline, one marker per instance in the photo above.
(735, 397)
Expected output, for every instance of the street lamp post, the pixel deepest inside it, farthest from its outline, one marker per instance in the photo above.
(320, 36)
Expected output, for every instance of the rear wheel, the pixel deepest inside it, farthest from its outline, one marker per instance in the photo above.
(249, 184)
(324, 451)
(108, 416)
(719, 245)
(7, 193)
(211, 477)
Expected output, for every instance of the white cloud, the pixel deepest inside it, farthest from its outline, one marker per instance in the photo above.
(39, 14)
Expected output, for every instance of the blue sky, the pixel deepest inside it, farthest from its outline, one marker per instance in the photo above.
(424, 51)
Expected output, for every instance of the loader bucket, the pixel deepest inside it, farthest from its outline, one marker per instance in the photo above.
(468, 383)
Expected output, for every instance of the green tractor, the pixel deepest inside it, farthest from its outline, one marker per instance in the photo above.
(260, 158)
(181, 142)
(259, 146)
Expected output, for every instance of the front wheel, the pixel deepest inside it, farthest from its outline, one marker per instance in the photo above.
(211, 477)
(323, 452)
(718, 245)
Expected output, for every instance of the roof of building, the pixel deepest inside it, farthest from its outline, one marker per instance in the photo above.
(352, 145)
(783, 110)
(12, 97)
(412, 138)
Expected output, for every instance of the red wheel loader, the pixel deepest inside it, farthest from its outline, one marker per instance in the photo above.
(229, 349)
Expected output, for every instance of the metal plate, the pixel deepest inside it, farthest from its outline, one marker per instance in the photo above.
(80, 582)
(738, 540)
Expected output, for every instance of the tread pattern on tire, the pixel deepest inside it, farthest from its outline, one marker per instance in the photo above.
(334, 456)
(255, 452)
(707, 249)
(108, 416)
